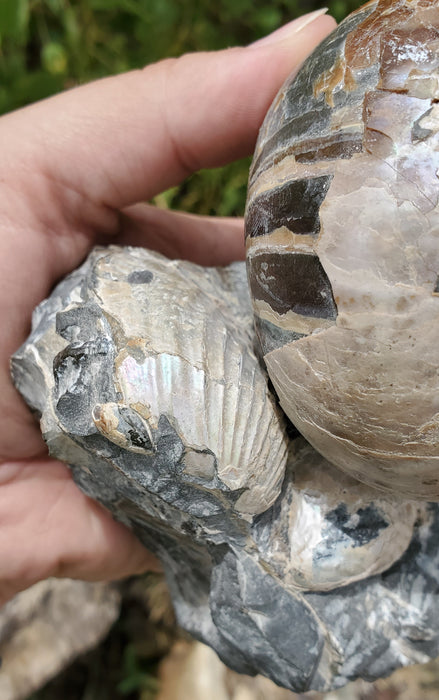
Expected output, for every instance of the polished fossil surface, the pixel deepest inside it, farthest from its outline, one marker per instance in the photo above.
(144, 376)
(343, 251)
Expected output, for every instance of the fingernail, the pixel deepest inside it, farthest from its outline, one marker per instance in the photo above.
(297, 25)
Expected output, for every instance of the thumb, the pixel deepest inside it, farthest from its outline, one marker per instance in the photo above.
(123, 139)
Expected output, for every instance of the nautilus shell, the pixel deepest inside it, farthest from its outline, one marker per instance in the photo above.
(343, 246)
(148, 382)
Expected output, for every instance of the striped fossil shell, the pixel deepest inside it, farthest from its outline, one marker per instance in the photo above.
(343, 246)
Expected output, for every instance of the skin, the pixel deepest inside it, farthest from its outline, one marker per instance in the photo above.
(74, 170)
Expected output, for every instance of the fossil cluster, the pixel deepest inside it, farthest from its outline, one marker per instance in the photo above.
(144, 374)
(148, 380)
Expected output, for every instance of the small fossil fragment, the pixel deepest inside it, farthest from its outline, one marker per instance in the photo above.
(338, 530)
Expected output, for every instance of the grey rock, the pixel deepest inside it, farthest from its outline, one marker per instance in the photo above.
(143, 373)
(32, 648)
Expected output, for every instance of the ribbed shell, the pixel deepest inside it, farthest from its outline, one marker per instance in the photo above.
(343, 246)
(183, 353)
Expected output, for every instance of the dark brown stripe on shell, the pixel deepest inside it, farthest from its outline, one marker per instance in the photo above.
(273, 337)
(292, 282)
(329, 149)
(295, 205)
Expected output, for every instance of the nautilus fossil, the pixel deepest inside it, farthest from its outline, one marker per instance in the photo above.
(343, 246)
(150, 382)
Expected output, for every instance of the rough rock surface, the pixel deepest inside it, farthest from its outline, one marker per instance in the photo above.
(342, 246)
(44, 628)
(143, 373)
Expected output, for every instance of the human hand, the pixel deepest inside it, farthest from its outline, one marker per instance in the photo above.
(73, 171)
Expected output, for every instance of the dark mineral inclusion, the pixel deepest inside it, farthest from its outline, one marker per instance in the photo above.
(228, 588)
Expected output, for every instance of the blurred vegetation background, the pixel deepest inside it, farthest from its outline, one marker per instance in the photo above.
(51, 45)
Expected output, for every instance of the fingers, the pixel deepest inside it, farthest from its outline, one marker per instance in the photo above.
(50, 528)
(69, 164)
(202, 239)
(121, 140)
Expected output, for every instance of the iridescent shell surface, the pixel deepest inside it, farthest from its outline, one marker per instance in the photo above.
(343, 246)
(329, 530)
(153, 349)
